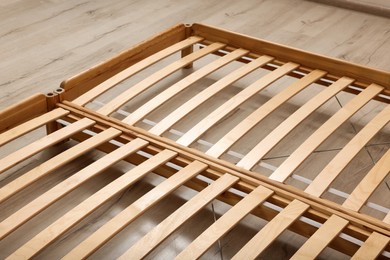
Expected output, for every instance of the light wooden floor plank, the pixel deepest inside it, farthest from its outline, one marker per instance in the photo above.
(84, 209)
(128, 72)
(41, 144)
(56, 162)
(146, 244)
(181, 85)
(320, 135)
(225, 223)
(60, 190)
(215, 116)
(206, 94)
(272, 230)
(135, 90)
(262, 112)
(128, 215)
(272, 139)
(30, 125)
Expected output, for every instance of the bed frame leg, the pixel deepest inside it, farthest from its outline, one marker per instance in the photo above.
(190, 49)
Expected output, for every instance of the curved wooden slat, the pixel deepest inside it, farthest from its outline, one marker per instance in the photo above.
(41, 144)
(321, 134)
(321, 238)
(31, 125)
(84, 209)
(214, 117)
(225, 223)
(262, 112)
(152, 239)
(341, 160)
(372, 247)
(56, 162)
(60, 190)
(273, 138)
(126, 73)
(128, 215)
(143, 85)
(181, 85)
(206, 94)
(272, 230)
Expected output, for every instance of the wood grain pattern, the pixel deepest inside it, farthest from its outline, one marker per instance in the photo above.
(124, 218)
(132, 70)
(225, 223)
(31, 125)
(60, 190)
(56, 162)
(320, 135)
(206, 94)
(121, 99)
(41, 144)
(262, 112)
(372, 247)
(272, 230)
(181, 85)
(272, 139)
(81, 211)
(320, 239)
(143, 246)
(195, 132)
(341, 160)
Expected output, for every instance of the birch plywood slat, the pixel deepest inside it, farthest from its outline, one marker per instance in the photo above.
(221, 157)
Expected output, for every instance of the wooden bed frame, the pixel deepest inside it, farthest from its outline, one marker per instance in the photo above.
(72, 114)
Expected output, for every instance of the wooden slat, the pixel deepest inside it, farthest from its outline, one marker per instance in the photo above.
(41, 144)
(31, 125)
(60, 190)
(225, 223)
(261, 113)
(128, 215)
(272, 230)
(272, 139)
(181, 85)
(341, 160)
(372, 247)
(321, 238)
(214, 117)
(206, 94)
(138, 88)
(56, 162)
(387, 218)
(22, 111)
(127, 73)
(321, 134)
(84, 209)
(143, 246)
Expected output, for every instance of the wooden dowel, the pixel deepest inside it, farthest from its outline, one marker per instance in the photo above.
(225, 223)
(132, 212)
(41, 144)
(281, 131)
(60, 190)
(152, 239)
(324, 179)
(148, 82)
(215, 116)
(206, 94)
(55, 163)
(127, 73)
(272, 230)
(229, 139)
(84, 209)
(181, 85)
(30, 125)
